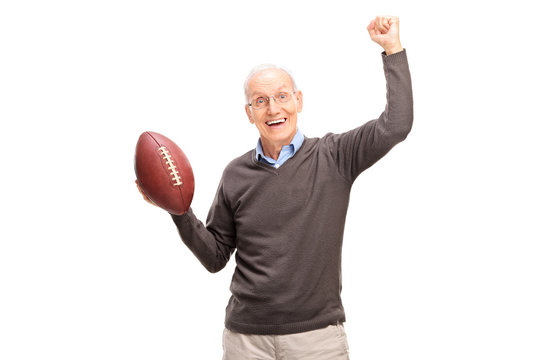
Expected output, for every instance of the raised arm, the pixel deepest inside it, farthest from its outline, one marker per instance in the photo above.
(396, 120)
(356, 150)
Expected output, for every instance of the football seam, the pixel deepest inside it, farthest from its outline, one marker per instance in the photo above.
(179, 188)
(175, 175)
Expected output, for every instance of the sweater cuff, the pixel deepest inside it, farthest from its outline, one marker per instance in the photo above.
(396, 58)
(182, 219)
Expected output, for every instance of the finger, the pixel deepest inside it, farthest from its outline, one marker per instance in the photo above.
(393, 20)
(386, 22)
(380, 30)
(378, 22)
(381, 25)
(374, 31)
(146, 198)
(382, 21)
(371, 28)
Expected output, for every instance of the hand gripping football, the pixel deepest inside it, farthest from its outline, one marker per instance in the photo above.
(164, 173)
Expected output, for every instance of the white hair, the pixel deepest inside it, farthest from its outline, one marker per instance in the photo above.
(262, 67)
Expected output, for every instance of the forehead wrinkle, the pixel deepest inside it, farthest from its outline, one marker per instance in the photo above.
(259, 92)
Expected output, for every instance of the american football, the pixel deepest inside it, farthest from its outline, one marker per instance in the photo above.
(164, 173)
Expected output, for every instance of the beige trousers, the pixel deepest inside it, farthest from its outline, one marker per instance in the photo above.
(329, 343)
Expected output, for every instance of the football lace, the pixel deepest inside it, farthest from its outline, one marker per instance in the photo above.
(175, 176)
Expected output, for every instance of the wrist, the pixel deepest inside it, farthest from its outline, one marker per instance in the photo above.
(393, 49)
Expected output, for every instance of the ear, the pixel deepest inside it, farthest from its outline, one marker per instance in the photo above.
(248, 113)
(299, 101)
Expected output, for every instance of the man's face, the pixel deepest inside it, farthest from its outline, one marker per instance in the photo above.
(268, 83)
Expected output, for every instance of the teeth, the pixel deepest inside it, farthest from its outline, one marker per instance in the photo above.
(276, 121)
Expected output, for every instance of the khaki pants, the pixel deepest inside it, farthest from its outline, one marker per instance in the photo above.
(329, 343)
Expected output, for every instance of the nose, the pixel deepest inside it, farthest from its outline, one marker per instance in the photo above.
(273, 106)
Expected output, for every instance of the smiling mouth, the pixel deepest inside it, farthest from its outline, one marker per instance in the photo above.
(276, 122)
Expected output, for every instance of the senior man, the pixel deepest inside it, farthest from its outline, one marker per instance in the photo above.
(282, 206)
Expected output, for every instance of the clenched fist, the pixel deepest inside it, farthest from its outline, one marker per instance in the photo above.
(384, 30)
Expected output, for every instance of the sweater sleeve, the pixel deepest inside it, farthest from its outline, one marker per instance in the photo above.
(214, 243)
(356, 150)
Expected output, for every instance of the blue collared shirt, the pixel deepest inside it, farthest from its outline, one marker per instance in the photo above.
(286, 153)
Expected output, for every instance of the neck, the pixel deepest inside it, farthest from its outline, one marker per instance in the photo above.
(272, 152)
(272, 149)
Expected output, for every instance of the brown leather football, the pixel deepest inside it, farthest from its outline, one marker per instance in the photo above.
(164, 173)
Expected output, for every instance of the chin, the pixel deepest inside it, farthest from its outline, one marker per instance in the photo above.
(283, 137)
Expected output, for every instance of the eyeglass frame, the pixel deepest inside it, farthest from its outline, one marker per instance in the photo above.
(272, 96)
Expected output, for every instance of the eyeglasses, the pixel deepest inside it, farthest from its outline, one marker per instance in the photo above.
(262, 101)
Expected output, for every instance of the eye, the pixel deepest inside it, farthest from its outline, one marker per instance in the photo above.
(283, 96)
(260, 100)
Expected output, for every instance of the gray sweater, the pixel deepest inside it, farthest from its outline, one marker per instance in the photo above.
(287, 224)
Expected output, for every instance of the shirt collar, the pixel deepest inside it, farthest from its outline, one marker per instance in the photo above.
(295, 144)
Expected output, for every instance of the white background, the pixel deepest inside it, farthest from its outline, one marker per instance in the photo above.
(441, 251)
